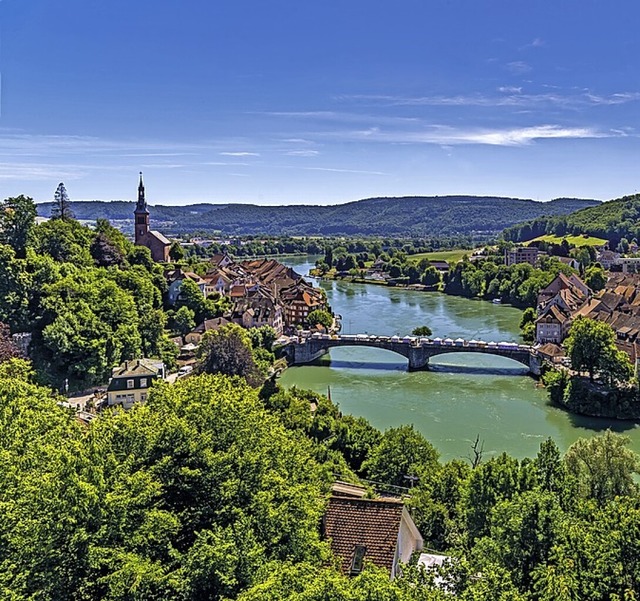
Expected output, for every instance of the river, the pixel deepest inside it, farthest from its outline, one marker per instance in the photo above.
(462, 396)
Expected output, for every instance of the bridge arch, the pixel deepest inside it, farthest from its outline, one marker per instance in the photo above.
(523, 360)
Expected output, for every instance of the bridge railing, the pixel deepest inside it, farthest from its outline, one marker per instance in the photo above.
(420, 342)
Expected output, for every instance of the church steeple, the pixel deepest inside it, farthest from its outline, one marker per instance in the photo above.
(141, 207)
(141, 214)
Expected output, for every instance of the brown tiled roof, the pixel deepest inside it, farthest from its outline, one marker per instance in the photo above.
(158, 236)
(373, 523)
(555, 311)
(551, 350)
(211, 324)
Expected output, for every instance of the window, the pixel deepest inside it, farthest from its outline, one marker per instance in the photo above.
(143, 382)
(129, 383)
(358, 559)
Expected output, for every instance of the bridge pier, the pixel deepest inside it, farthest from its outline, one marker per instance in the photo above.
(418, 359)
(299, 354)
(535, 363)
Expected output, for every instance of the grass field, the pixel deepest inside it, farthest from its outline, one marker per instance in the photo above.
(443, 255)
(581, 240)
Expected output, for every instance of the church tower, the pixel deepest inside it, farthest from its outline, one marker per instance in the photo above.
(141, 214)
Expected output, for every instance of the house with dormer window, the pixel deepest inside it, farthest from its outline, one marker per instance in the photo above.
(130, 382)
(380, 531)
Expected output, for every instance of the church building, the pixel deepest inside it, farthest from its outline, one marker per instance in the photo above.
(154, 241)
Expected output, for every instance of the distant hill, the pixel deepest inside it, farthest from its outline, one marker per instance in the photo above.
(403, 216)
(611, 220)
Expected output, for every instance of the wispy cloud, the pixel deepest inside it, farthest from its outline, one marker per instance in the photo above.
(164, 166)
(240, 154)
(510, 89)
(28, 144)
(39, 172)
(301, 141)
(535, 43)
(157, 154)
(620, 98)
(449, 136)
(509, 96)
(302, 153)
(344, 116)
(518, 67)
(224, 164)
(336, 170)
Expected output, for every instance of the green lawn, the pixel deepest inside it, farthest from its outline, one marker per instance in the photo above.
(581, 240)
(443, 255)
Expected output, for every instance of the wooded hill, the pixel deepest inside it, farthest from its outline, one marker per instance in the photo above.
(612, 220)
(401, 216)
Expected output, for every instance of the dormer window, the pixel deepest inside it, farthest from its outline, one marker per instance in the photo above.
(358, 559)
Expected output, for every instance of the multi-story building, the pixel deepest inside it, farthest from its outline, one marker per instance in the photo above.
(521, 254)
(130, 382)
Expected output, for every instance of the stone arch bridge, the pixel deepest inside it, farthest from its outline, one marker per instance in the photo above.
(417, 351)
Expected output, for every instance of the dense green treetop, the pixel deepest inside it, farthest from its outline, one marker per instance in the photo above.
(17, 220)
(319, 316)
(89, 297)
(591, 346)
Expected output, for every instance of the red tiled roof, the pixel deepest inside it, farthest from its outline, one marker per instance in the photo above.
(373, 523)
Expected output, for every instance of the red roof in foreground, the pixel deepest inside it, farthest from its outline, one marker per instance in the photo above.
(373, 523)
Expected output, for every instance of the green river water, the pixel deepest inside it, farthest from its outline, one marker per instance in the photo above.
(463, 395)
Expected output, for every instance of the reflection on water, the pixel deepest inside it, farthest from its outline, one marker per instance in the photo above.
(463, 395)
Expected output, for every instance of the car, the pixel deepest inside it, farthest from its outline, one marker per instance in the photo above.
(184, 370)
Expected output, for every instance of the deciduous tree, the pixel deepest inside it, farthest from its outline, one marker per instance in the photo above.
(422, 331)
(17, 219)
(603, 466)
(228, 351)
(591, 347)
(319, 316)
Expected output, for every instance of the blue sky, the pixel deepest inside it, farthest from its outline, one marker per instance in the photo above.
(285, 102)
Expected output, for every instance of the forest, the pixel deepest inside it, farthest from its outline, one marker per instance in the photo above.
(614, 221)
(215, 489)
(484, 217)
